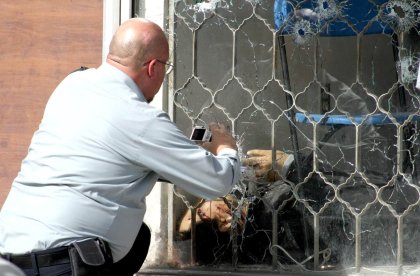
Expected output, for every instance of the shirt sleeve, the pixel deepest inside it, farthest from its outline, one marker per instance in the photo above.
(168, 152)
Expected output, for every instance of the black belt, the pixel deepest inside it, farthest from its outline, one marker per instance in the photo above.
(49, 257)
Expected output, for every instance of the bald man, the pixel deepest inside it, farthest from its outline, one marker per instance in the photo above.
(77, 205)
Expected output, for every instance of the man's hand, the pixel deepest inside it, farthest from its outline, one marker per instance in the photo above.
(221, 139)
(261, 161)
(215, 210)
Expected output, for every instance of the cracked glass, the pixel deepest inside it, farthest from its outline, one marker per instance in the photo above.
(321, 97)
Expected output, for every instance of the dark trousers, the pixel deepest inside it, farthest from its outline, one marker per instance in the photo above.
(132, 262)
(129, 265)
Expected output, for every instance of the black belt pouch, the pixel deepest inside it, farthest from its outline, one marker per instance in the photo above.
(90, 257)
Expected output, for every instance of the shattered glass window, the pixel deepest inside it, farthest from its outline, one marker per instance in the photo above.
(321, 97)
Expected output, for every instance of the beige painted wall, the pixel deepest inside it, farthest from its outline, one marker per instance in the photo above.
(41, 42)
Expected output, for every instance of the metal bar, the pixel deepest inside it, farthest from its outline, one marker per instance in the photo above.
(316, 241)
(193, 249)
(400, 238)
(293, 132)
(289, 104)
(357, 246)
(275, 238)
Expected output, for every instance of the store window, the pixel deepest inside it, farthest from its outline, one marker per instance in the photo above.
(325, 91)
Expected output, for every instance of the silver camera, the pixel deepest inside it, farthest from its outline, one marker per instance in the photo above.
(200, 134)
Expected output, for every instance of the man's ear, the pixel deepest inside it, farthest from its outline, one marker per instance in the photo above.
(151, 68)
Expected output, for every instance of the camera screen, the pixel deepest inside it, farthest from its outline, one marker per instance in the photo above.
(198, 134)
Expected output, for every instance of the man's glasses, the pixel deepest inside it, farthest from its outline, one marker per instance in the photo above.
(169, 66)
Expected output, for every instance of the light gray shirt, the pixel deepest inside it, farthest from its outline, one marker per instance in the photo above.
(96, 155)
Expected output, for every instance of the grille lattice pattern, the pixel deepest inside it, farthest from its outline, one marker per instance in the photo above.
(330, 83)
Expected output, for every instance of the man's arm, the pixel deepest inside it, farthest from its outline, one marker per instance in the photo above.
(207, 173)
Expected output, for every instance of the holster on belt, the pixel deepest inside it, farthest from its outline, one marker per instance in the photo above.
(90, 257)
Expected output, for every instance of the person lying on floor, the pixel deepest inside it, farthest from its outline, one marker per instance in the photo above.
(251, 218)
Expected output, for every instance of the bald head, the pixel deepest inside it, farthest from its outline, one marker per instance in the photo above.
(137, 41)
(140, 49)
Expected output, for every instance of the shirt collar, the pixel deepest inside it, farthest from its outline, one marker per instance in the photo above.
(111, 72)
